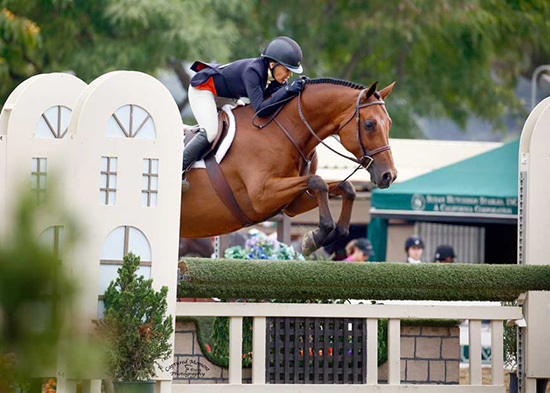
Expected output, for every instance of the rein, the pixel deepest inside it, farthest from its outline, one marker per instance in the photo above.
(367, 155)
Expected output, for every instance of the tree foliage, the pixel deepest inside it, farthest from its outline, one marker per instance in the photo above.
(449, 58)
(90, 38)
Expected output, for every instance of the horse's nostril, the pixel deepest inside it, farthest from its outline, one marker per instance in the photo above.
(386, 177)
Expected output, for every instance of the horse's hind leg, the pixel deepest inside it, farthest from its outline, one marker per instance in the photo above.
(315, 239)
(341, 231)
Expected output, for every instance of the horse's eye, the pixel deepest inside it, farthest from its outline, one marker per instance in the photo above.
(370, 124)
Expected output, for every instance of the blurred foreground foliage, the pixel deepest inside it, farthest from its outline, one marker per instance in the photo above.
(37, 329)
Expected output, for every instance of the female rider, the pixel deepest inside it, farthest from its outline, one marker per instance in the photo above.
(263, 80)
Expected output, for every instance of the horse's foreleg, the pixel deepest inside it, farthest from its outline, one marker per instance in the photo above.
(315, 239)
(347, 191)
(305, 202)
(270, 195)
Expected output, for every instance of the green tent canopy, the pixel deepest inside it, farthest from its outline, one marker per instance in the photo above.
(482, 188)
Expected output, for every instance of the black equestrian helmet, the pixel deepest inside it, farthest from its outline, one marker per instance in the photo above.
(285, 51)
(415, 241)
(443, 252)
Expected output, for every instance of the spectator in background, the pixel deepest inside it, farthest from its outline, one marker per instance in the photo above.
(362, 250)
(444, 254)
(414, 247)
(349, 249)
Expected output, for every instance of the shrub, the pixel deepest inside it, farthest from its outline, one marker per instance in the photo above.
(135, 326)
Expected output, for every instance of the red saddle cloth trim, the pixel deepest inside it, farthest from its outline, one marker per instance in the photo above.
(208, 85)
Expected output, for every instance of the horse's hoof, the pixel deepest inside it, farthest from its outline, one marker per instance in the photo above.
(308, 244)
(185, 186)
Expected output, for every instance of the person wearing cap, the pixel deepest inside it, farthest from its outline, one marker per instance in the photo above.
(362, 250)
(414, 247)
(350, 247)
(444, 254)
(263, 80)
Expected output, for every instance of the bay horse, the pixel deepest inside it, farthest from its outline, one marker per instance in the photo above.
(267, 171)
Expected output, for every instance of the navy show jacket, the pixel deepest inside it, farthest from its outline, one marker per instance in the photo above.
(242, 78)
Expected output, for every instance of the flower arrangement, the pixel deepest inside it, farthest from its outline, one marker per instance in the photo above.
(51, 386)
(259, 246)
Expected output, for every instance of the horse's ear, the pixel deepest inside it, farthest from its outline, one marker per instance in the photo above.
(386, 91)
(371, 90)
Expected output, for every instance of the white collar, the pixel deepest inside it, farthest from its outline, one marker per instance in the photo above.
(270, 77)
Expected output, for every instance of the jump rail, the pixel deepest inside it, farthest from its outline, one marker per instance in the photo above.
(394, 313)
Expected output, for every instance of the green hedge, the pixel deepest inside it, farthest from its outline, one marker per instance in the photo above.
(322, 280)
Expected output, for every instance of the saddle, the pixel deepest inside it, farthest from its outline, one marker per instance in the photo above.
(214, 171)
(223, 124)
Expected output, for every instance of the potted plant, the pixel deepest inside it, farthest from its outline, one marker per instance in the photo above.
(135, 329)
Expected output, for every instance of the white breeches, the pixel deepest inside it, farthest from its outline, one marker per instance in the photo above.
(203, 105)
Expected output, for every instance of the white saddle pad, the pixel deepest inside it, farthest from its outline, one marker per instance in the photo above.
(226, 143)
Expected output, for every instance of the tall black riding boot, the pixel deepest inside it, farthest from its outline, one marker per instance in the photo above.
(194, 151)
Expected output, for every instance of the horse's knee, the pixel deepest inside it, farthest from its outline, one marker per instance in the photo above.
(348, 190)
(317, 183)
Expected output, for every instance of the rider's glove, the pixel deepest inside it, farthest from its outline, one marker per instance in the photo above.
(296, 87)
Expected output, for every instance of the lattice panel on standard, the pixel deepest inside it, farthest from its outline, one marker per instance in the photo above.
(316, 351)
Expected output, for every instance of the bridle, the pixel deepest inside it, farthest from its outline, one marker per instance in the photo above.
(368, 155)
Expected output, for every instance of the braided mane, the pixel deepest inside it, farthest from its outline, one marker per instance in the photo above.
(339, 82)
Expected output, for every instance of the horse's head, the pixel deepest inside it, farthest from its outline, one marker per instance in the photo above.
(366, 135)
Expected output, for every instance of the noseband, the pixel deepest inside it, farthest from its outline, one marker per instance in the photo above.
(367, 158)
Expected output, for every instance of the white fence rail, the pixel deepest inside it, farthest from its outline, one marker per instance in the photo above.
(394, 314)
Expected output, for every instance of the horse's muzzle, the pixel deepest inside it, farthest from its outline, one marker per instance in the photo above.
(385, 180)
(382, 177)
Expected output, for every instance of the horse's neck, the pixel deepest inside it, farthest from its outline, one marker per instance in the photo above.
(325, 107)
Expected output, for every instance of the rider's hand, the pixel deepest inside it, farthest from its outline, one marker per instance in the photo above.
(296, 87)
